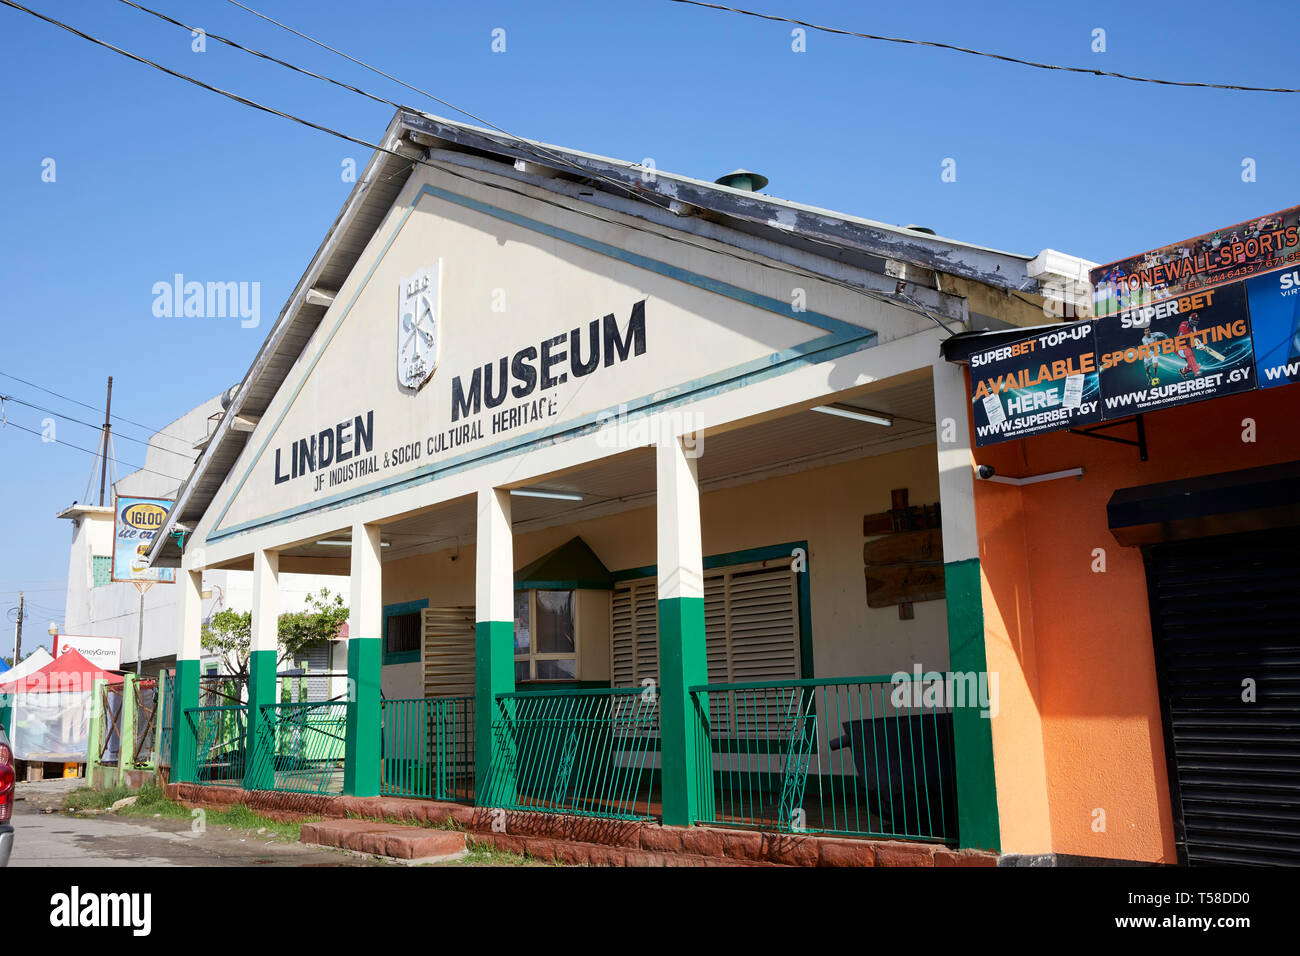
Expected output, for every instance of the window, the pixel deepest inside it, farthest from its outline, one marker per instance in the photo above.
(751, 626)
(101, 570)
(402, 632)
(546, 636)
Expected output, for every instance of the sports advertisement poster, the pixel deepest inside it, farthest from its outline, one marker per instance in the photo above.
(1233, 254)
(1274, 300)
(1038, 384)
(1174, 351)
(135, 522)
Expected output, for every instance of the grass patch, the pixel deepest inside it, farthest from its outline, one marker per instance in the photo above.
(151, 801)
(88, 798)
(486, 854)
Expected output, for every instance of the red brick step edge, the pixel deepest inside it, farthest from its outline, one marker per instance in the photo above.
(596, 841)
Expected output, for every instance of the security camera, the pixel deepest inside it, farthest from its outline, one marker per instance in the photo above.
(985, 471)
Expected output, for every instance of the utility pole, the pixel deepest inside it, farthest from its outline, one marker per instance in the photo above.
(18, 632)
(108, 427)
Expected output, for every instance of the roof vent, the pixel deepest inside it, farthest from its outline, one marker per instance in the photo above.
(913, 227)
(228, 396)
(743, 179)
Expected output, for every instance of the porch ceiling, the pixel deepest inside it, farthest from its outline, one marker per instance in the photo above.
(801, 439)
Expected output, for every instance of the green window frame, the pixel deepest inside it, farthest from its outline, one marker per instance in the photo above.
(406, 656)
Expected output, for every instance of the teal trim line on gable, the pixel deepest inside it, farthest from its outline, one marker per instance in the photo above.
(842, 338)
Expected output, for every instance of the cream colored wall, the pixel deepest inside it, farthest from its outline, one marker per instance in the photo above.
(823, 506)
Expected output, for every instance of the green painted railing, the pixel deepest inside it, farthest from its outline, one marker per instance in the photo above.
(851, 755)
(166, 690)
(220, 734)
(307, 743)
(428, 748)
(582, 752)
(220, 690)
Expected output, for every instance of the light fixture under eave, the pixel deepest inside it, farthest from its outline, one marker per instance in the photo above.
(856, 414)
(348, 544)
(535, 493)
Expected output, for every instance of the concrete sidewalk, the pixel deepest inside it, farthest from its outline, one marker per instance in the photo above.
(47, 837)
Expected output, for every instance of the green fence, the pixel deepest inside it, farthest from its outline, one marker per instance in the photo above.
(428, 748)
(583, 752)
(166, 692)
(851, 755)
(307, 741)
(220, 735)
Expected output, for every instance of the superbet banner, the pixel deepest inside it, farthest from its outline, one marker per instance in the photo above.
(1036, 385)
(1197, 319)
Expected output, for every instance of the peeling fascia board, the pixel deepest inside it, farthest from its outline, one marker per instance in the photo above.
(776, 250)
(224, 431)
(991, 266)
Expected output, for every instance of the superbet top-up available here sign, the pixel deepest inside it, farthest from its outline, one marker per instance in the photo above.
(1197, 319)
(135, 522)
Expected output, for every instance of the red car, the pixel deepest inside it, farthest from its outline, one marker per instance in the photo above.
(6, 799)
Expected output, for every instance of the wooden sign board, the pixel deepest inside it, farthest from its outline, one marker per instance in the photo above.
(904, 564)
(903, 584)
(907, 547)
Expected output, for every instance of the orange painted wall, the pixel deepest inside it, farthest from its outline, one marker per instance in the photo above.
(1079, 727)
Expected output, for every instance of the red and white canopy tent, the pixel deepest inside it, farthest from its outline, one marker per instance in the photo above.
(52, 707)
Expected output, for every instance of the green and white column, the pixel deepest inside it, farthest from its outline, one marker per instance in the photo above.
(683, 663)
(494, 646)
(263, 659)
(185, 686)
(977, 799)
(361, 766)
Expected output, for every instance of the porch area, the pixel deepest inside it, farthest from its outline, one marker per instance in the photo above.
(627, 653)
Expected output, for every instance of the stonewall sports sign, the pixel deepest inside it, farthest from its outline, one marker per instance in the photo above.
(1198, 319)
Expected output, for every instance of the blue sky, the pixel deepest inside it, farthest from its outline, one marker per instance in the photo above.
(156, 177)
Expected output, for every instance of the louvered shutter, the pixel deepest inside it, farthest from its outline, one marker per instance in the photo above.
(1224, 609)
(760, 638)
(751, 626)
(447, 651)
(634, 635)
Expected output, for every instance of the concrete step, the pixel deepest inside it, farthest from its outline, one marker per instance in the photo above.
(405, 843)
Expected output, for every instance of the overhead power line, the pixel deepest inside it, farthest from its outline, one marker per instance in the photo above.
(867, 293)
(88, 451)
(984, 53)
(78, 421)
(94, 408)
(527, 145)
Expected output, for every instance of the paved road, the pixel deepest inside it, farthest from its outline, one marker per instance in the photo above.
(46, 838)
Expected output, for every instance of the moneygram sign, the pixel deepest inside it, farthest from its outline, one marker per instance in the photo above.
(1202, 318)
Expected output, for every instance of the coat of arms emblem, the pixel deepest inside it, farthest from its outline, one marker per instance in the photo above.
(417, 326)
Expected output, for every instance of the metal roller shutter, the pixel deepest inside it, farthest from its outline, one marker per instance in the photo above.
(1224, 612)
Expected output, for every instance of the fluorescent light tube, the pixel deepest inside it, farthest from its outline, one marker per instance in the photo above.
(558, 495)
(855, 414)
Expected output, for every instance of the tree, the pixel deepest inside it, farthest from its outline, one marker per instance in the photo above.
(229, 632)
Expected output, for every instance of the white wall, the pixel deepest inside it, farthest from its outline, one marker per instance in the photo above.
(114, 609)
